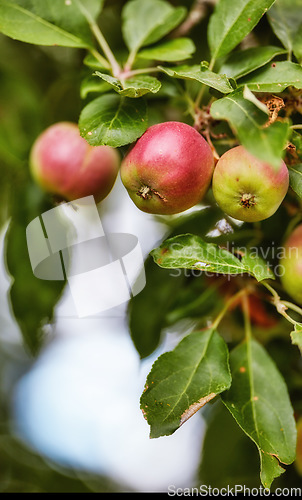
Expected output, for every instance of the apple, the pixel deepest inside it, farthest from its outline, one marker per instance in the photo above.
(246, 188)
(298, 461)
(63, 163)
(291, 265)
(169, 169)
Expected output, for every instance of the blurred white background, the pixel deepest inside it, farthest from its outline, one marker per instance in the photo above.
(78, 404)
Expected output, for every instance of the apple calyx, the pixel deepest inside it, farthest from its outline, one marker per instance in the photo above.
(247, 200)
(146, 193)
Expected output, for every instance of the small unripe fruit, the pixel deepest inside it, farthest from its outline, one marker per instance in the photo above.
(63, 163)
(169, 169)
(247, 188)
(291, 265)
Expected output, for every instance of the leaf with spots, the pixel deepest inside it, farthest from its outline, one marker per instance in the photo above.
(188, 251)
(183, 380)
(258, 400)
(243, 62)
(275, 77)
(112, 120)
(228, 26)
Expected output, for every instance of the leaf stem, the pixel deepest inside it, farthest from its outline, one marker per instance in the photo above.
(106, 49)
(228, 304)
(282, 305)
(203, 87)
(271, 290)
(115, 67)
(99, 58)
(296, 127)
(292, 306)
(246, 314)
(128, 74)
(200, 96)
(131, 60)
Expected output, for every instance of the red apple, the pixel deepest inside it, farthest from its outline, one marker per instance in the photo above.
(246, 188)
(169, 169)
(291, 265)
(63, 163)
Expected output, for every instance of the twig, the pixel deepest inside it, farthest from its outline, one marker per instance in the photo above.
(228, 304)
(197, 13)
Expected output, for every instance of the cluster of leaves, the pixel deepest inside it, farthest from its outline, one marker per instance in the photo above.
(232, 94)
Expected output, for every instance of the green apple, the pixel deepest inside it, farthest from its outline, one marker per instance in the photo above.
(291, 265)
(246, 188)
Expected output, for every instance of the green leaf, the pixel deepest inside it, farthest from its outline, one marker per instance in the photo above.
(147, 22)
(230, 24)
(297, 45)
(241, 63)
(258, 400)
(132, 87)
(202, 75)
(249, 96)
(91, 84)
(296, 139)
(172, 50)
(237, 462)
(184, 380)
(247, 122)
(256, 265)
(274, 77)
(112, 120)
(191, 252)
(285, 21)
(295, 178)
(296, 336)
(48, 23)
(32, 299)
(170, 22)
(269, 469)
